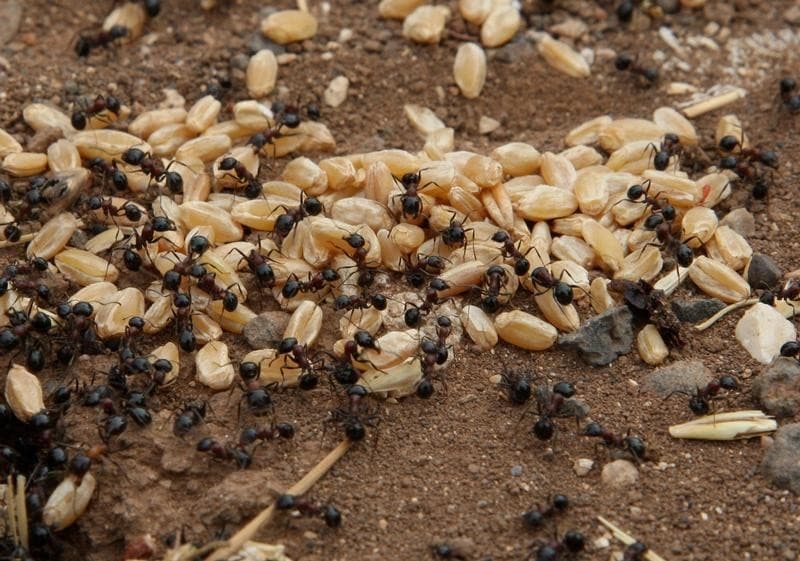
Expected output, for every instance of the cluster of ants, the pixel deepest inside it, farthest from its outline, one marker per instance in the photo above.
(103, 38)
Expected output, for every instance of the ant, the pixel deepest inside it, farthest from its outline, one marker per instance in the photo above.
(299, 355)
(142, 237)
(455, 235)
(345, 302)
(511, 250)
(425, 266)
(272, 431)
(494, 279)
(366, 275)
(434, 352)
(562, 292)
(81, 117)
(109, 169)
(208, 283)
(626, 63)
(21, 330)
(640, 194)
(744, 163)
(517, 386)
(152, 7)
(649, 305)
(315, 283)
(635, 552)
(154, 168)
(79, 329)
(790, 101)
(252, 187)
(666, 240)
(259, 267)
(102, 38)
(410, 201)
(413, 315)
(573, 542)
(329, 513)
(190, 416)
(700, 401)
(351, 415)
(633, 445)
(536, 516)
(236, 454)
(182, 309)
(670, 146)
(551, 404)
(285, 223)
(257, 396)
(107, 207)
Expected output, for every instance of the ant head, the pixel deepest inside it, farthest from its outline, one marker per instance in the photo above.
(761, 188)
(564, 388)
(95, 203)
(332, 516)
(574, 541)
(412, 206)
(112, 104)
(728, 382)
(438, 284)
(495, 270)
(635, 192)
(136, 322)
(560, 502)
(522, 266)
(671, 138)
(182, 300)
(80, 464)
(284, 224)
(133, 156)
(355, 240)
(364, 339)
(623, 62)
(258, 140)
(787, 85)
(206, 444)
(410, 179)
(290, 119)
(563, 293)
(684, 255)
(198, 244)
(444, 322)
(728, 143)
(330, 275)
(78, 120)
(312, 206)
(593, 429)
(230, 301)
(490, 304)
(412, 317)
(651, 74)
(163, 224)
(162, 365)
(790, 348)
(285, 430)
(287, 345)
(153, 7)
(668, 212)
(428, 346)
(132, 212)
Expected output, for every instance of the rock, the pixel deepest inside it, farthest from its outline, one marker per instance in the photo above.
(762, 271)
(762, 330)
(777, 388)
(10, 17)
(695, 311)
(336, 92)
(583, 466)
(516, 471)
(781, 463)
(571, 28)
(603, 338)
(682, 376)
(792, 15)
(619, 473)
(487, 125)
(266, 330)
(238, 497)
(372, 46)
(741, 221)
(240, 61)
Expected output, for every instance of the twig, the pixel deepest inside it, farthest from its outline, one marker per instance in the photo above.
(22, 512)
(11, 514)
(723, 312)
(24, 238)
(650, 555)
(713, 103)
(236, 542)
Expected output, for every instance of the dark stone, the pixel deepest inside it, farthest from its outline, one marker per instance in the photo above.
(695, 311)
(763, 272)
(781, 463)
(603, 338)
(682, 376)
(777, 388)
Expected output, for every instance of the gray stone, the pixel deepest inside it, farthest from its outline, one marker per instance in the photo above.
(763, 272)
(240, 61)
(603, 338)
(741, 221)
(266, 330)
(619, 473)
(258, 42)
(777, 388)
(10, 18)
(695, 311)
(781, 463)
(516, 471)
(682, 376)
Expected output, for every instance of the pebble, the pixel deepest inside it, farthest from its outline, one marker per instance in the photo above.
(571, 28)
(763, 272)
(266, 330)
(777, 388)
(603, 338)
(516, 471)
(792, 15)
(10, 18)
(681, 376)
(695, 311)
(240, 61)
(336, 92)
(781, 463)
(619, 473)
(741, 221)
(487, 125)
(762, 330)
(583, 466)
(372, 46)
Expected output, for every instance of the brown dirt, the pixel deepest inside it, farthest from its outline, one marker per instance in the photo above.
(440, 469)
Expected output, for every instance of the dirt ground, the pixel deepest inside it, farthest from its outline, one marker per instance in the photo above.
(440, 469)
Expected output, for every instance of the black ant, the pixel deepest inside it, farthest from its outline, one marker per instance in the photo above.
(79, 329)
(743, 163)
(517, 386)
(152, 7)
(552, 404)
(354, 416)
(626, 63)
(425, 266)
(236, 454)
(670, 146)
(154, 168)
(641, 194)
(355, 302)
(109, 169)
(22, 330)
(252, 187)
(790, 101)
(142, 237)
(536, 516)
(649, 305)
(107, 207)
(544, 281)
(101, 38)
(259, 267)
(633, 445)
(80, 117)
(329, 513)
(182, 309)
(700, 401)
(494, 279)
(208, 284)
(455, 235)
(511, 250)
(667, 241)
(257, 396)
(315, 283)
(366, 275)
(291, 348)
(573, 542)
(635, 552)
(273, 431)
(410, 201)
(190, 416)
(413, 314)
